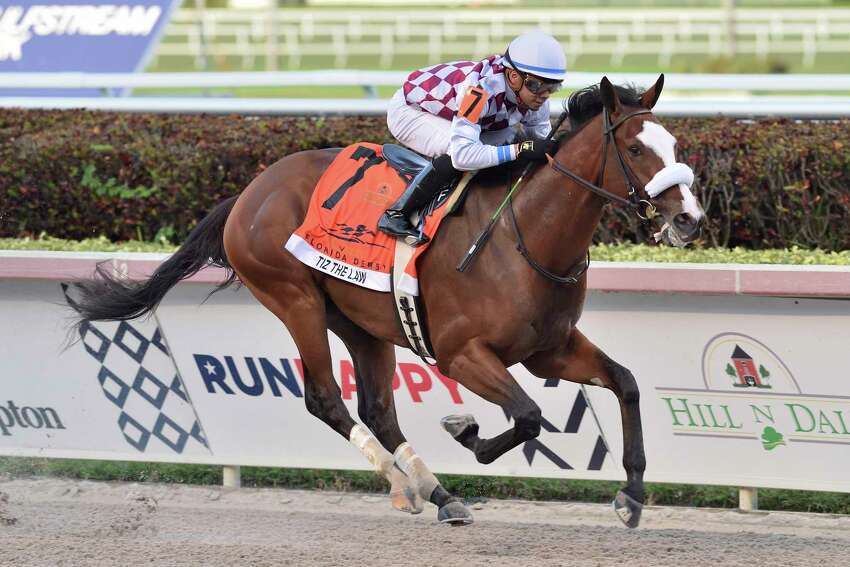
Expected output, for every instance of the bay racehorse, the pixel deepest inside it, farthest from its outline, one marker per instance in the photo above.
(509, 307)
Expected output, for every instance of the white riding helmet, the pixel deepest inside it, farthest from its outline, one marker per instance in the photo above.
(538, 53)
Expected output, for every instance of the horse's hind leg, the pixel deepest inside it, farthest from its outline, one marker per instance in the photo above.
(306, 318)
(579, 360)
(303, 313)
(374, 365)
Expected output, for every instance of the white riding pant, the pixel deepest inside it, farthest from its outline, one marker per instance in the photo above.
(428, 134)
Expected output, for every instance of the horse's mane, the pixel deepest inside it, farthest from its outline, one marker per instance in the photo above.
(584, 104)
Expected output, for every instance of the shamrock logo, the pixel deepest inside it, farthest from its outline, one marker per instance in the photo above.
(771, 438)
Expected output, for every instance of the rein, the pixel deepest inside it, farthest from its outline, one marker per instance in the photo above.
(642, 207)
(576, 271)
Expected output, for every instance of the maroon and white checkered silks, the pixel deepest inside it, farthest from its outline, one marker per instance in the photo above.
(440, 88)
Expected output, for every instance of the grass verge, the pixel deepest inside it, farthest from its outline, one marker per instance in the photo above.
(471, 488)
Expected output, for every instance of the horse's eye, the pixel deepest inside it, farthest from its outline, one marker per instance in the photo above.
(634, 150)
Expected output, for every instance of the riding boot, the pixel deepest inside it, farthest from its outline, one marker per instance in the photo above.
(423, 188)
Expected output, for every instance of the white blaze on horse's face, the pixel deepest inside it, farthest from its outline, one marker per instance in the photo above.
(655, 137)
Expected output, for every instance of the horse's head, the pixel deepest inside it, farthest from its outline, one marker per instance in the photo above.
(645, 157)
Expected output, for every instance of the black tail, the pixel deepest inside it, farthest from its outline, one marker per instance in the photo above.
(107, 298)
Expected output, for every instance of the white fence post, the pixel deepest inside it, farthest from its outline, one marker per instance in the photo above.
(272, 40)
(231, 476)
(748, 499)
(731, 33)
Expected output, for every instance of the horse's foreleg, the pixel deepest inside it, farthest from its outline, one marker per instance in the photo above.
(480, 370)
(581, 361)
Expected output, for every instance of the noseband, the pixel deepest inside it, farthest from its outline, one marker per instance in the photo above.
(642, 207)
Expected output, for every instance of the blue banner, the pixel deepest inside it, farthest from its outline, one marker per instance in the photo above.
(78, 35)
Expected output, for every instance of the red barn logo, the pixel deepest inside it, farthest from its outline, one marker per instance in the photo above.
(736, 362)
(744, 373)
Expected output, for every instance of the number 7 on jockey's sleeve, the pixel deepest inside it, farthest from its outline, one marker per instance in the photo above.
(472, 149)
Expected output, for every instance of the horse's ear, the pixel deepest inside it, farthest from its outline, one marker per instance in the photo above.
(609, 96)
(650, 97)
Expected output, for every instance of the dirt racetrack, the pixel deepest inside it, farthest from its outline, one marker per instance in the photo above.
(63, 522)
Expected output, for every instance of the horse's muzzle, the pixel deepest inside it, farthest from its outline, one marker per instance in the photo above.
(687, 227)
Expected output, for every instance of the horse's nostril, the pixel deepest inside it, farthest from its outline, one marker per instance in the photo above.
(689, 227)
(684, 222)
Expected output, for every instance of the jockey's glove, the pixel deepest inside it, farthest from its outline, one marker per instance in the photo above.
(535, 150)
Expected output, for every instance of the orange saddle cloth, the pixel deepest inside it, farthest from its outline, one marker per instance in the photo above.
(340, 237)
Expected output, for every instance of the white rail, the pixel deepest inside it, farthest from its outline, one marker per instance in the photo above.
(348, 77)
(742, 107)
(730, 92)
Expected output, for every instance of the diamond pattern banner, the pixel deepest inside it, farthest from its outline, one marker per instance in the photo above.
(138, 376)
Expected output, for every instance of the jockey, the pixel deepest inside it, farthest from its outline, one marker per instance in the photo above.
(467, 116)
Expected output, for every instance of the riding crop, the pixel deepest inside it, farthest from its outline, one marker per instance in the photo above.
(479, 242)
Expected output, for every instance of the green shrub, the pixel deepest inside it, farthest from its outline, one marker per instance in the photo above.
(77, 174)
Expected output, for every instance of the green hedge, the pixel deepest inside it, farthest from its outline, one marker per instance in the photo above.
(76, 174)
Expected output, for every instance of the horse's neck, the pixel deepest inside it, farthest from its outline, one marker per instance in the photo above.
(556, 216)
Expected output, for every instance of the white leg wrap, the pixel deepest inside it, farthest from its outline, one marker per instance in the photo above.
(414, 467)
(380, 458)
(402, 489)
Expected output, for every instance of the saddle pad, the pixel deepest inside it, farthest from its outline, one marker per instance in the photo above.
(339, 235)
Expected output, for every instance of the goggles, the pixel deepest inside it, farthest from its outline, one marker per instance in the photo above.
(539, 86)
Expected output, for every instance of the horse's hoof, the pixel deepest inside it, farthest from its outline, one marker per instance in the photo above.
(454, 513)
(628, 509)
(457, 425)
(403, 495)
(406, 500)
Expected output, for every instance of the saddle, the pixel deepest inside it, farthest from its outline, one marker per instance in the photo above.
(339, 235)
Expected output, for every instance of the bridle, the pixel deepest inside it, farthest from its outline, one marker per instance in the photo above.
(642, 207)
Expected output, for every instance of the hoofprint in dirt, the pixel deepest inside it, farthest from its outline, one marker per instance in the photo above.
(63, 522)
